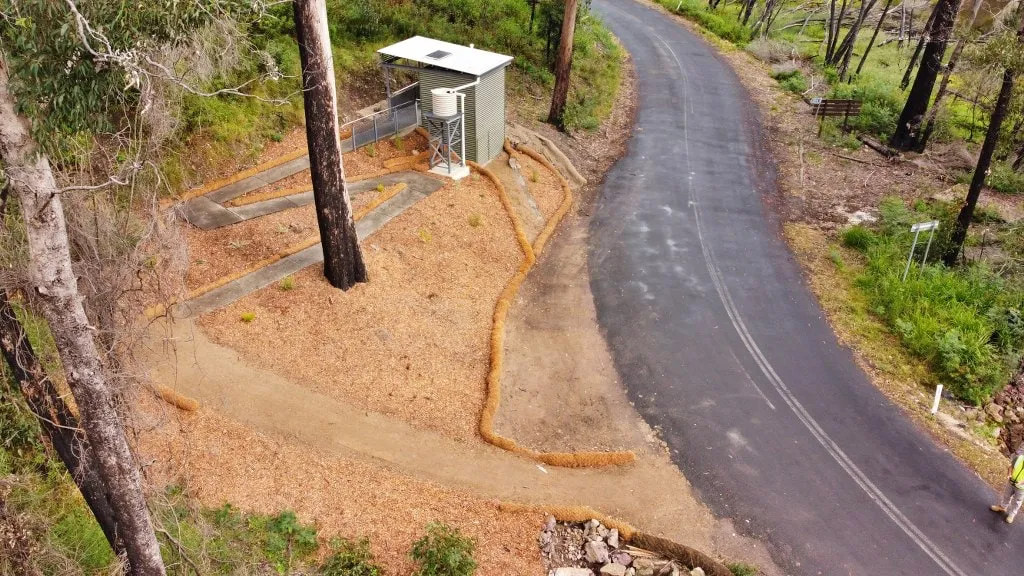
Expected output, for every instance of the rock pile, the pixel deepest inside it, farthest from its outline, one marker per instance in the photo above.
(590, 548)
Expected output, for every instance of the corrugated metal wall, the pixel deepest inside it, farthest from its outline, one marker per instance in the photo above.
(485, 108)
(490, 115)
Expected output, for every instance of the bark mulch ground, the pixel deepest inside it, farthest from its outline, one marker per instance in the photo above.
(411, 343)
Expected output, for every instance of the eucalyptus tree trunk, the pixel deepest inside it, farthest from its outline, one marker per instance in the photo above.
(845, 52)
(563, 65)
(343, 259)
(61, 304)
(59, 425)
(988, 148)
(907, 135)
(954, 58)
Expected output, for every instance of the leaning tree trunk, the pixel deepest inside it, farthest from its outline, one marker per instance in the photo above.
(874, 35)
(846, 49)
(563, 65)
(59, 425)
(963, 220)
(920, 45)
(906, 136)
(929, 124)
(343, 260)
(56, 290)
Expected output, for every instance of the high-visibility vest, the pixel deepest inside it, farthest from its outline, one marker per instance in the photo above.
(1017, 476)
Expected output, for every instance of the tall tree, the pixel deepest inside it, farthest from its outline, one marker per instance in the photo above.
(908, 126)
(56, 290)
(963, 220)
(563, 64)
(343, 259)
(947, 71)
(58, 424)
(874, 35)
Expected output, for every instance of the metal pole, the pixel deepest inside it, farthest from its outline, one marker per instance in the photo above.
(911, 257)
(374, 128)
(926, 248)
(462, 127)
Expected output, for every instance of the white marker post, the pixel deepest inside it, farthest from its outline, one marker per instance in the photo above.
(917, 229)
(938, 396)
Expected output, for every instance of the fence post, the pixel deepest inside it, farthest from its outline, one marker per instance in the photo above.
(374, 128)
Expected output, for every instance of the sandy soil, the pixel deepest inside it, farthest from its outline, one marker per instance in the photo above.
(221, 461)
(413, 341)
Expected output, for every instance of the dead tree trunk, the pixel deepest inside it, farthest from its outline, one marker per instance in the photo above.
(845, 52)
(907, 127)
(563, 65)
(343, 260)
(920, 45)
(59, 425)
(874, 35)
(60, 302)
(963, 220)
(929, 124)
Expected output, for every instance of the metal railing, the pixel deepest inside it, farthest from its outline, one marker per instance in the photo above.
(375, 127)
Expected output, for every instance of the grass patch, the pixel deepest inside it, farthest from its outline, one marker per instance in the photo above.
(1003, 179)
(475, 220)
(287, 283)
(742, 569)
(722, 23)
(247, 317)
(349, 558)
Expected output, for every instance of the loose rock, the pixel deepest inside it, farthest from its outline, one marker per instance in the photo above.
(613, 570)
(620, 557)
(613, 538)
(573, 572)
(643, 567)
(698, 571)
(596, 552)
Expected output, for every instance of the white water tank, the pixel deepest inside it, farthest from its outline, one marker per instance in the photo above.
(445, 102)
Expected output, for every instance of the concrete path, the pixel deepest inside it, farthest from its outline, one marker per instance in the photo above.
(724, 348)
(206, 214)
(650, 493)
(418, 187)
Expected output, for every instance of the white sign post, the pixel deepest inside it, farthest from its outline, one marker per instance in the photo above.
(938, 396)
(917, 229)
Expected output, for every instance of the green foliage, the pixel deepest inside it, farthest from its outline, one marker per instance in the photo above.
(724, 26)
(883, 102)
(287, 283)
(965, 323)
(858, 237)
(1002, 178)
(792, 81)
(742, 569)
(247, 317)
(597, 67)
(444, 551)
(350, 558)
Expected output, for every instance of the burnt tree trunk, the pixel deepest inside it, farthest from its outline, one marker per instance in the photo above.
(343, 260)
(59, 425)
(874, 35)
(920, 45)
(61, 304)
(845, 52)
(907, 135)
(929, 124)
(563, 64)
(963, 219)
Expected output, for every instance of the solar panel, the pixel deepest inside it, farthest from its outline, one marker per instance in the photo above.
(438, 54)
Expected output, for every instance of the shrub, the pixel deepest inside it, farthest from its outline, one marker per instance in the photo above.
(725, 27)
(772, 51)
(858, 237)
(795, 83)
(444, 551)
(287, 283)
(1004, 179)
(247, 317)
(882, 100)
(350, 558)
(475, 220)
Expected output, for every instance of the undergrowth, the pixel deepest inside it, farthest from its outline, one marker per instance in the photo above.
(965, 323)
(444, 551)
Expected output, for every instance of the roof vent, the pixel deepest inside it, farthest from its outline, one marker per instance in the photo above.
(438, 54)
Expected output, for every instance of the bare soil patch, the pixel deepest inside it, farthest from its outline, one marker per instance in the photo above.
(220, 461)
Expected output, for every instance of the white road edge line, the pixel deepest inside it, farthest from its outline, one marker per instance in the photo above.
(801, 413)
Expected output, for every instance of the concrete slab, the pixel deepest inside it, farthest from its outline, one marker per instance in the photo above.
(207, 215)
(258, 209)
(232, 191)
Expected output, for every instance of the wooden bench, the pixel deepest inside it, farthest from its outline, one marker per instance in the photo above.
(823, 107)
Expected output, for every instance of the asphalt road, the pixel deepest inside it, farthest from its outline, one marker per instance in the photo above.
(721, 344)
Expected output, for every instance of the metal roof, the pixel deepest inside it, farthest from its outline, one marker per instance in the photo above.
(446, 55)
